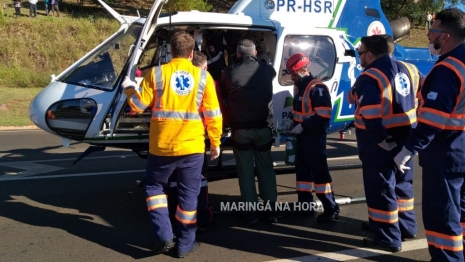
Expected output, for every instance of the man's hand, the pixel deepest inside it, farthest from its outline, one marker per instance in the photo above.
(387, 146)
(128, 83)
(214, 153)
(402, 158)
(297, 129)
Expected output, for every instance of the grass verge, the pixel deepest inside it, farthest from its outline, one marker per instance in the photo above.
(14, 106)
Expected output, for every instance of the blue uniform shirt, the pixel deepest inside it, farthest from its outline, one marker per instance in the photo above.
(368, 93)
(320, 97)
(438, 148)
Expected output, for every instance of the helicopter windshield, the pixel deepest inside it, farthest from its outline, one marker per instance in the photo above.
(101, 68)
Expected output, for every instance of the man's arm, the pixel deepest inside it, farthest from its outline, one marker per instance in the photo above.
(212, 114)
(321, 103)
(139, 101)
(369, 94)
(439, 94)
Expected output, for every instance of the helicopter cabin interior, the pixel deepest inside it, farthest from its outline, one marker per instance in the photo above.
(213, 40)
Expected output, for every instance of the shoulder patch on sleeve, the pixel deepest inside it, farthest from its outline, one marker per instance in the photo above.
(432, 95)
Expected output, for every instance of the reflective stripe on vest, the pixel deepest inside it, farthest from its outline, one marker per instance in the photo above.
(456, 119)
(136, 101)
(443, 241)
(158, 92)
(307, 110)
(186, 217)
(183, 115)
(383, 110)
(155, 202)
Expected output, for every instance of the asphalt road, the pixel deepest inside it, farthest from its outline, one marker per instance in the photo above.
(52, 210)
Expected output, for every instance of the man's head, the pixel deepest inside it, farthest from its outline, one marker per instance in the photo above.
(372, 48)
(246, 47)
(200, 60)
(182, 45)
(390, 42)
(296, 66)
(447, 31)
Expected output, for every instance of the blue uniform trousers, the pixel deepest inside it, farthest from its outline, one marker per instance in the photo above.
(312, 167)
(389, 197)
(444, 213)
(188, 175)
(204, 210)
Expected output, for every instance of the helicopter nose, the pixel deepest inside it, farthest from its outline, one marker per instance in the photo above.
(37, 111)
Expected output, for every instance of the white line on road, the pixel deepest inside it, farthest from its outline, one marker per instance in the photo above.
(351, 254)
(11, 178)
(31, 168)
(72, 159)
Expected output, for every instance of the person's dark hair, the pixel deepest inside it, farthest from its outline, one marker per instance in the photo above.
(376, 44)
(390, 42)
(199, 58)
(246, 47)
(182, 44)
(452, 22)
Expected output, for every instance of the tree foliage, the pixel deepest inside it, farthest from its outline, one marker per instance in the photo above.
(415, 10)
(187, 5)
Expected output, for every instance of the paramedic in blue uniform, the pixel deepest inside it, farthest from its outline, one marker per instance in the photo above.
(385, 114)
(182, 98)
(439, 139)
(404, 224)
(311, 114)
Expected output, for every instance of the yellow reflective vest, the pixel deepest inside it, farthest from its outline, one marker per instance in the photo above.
(183, 101)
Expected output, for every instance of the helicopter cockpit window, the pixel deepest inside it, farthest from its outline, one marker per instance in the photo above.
(320, 50)
(100, 70)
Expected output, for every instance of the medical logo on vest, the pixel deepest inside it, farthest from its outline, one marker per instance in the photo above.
(182, 83)
(402, 84)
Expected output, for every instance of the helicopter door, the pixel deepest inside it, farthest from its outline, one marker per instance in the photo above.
(147, 31)
(329, 59)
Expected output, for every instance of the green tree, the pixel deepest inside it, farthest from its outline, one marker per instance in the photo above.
(415, 10)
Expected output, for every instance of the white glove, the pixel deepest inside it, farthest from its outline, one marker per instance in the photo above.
(401, 158)
(387, 146)
(128, 83)
(214, 152)
(297, 129)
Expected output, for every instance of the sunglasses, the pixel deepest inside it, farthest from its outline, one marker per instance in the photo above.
(360, 53)
(436, 31)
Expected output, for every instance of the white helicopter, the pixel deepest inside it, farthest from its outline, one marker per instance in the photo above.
(85, 102)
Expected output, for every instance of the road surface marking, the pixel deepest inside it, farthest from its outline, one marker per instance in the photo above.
(30, 168)
(70, 159)
(357, 253)
(11, 178)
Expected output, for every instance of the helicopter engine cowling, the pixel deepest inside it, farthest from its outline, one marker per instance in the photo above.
(400, 28)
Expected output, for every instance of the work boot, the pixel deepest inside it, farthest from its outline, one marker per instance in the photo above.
(368, 242)
(249, 218)
(404, 236)
(163, 246)
(195, 246)
(327, 217)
